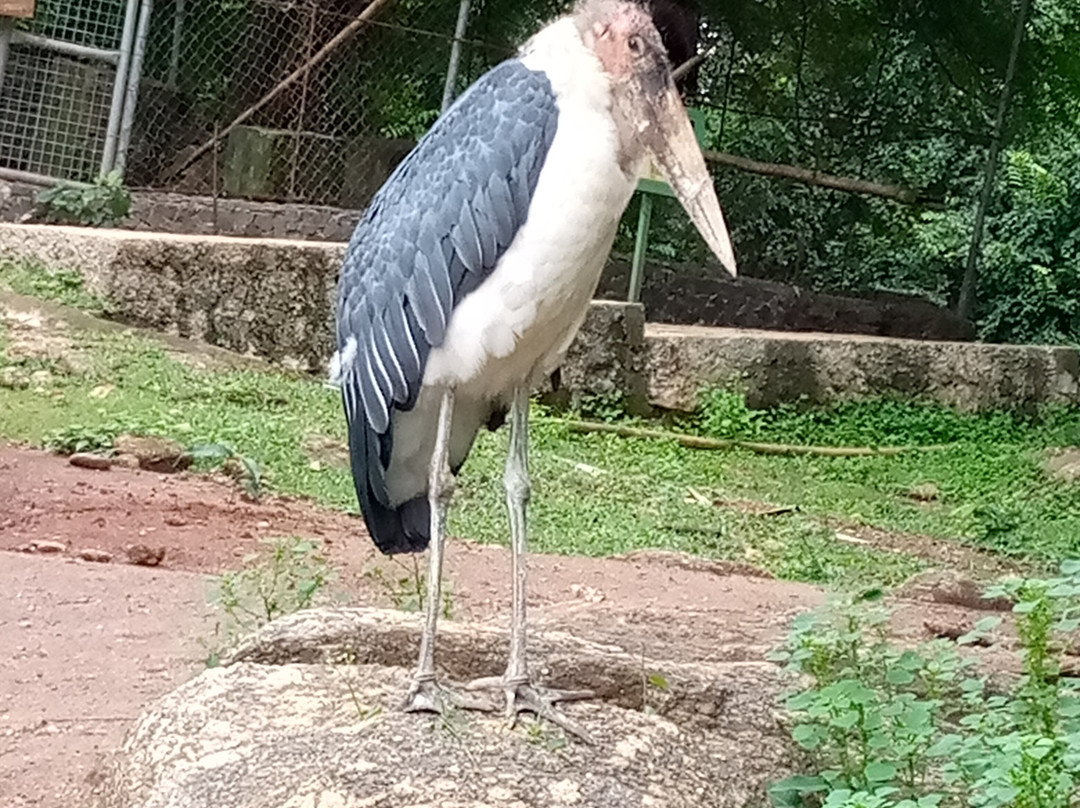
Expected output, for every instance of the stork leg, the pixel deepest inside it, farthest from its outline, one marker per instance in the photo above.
(521, 694)
(426, 695)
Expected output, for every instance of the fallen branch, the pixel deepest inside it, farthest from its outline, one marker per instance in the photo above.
(810, 176)
(785, 449)
(342, 36)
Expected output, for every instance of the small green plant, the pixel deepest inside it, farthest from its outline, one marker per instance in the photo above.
(80, 438)
(408, 592)
(247, 470)
(920, 728)
(284, 578)
(103, 203)
(66, 286)
(724, 414)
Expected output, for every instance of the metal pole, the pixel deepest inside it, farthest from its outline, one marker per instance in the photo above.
(131, 98)
(637, 268)
(455, 55)
(7, 26)
(177, 38)
(116, 110)
(966, 302)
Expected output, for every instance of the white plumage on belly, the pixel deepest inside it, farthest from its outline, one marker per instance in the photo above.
(516, 326)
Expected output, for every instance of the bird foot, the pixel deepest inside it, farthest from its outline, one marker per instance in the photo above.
(524, 697)
(429, 696)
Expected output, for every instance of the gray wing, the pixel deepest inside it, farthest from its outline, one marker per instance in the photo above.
(432, 234)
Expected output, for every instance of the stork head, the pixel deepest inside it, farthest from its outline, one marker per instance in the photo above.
(649, 115)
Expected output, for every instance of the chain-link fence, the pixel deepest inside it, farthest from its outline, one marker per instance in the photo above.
(306, 101)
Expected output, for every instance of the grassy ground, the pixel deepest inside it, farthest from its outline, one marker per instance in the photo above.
(599, 494)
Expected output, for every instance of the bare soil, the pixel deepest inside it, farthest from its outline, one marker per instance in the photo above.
(84, 646)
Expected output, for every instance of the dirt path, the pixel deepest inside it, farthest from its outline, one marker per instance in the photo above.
(84, 646)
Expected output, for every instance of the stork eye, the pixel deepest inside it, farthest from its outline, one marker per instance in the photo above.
(637, 47)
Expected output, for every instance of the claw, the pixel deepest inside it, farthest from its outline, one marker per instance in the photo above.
(523, 697)
(428, 696)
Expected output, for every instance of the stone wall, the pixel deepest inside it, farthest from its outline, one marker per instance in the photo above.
(161, 212)
(275, 299)
(683, 294)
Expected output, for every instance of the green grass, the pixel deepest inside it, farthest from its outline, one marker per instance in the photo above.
(59, 285)
(600, 494)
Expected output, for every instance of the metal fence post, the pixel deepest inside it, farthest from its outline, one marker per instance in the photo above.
(7, 26)
(455, 55)
(116, 109)
(177, 41)
(131, 97)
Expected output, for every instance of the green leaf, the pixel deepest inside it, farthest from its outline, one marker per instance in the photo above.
(846, 720)
(946, 745)
(658, 681)
(899, 676)
(1071, 567)
(879, 772)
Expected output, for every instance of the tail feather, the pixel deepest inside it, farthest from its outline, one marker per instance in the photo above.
(403, 528)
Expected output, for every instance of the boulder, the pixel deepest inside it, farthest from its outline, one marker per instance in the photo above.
(306, 713)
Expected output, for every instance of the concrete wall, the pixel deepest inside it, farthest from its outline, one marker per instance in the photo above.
(275, 299)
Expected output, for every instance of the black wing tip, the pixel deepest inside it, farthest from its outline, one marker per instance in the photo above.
(395, 531)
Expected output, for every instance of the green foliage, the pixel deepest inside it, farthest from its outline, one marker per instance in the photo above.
(289, 575)
(80, 438)
(64, 286)
(407, 591)
(247, 470)
(103, 203)
(904, 728)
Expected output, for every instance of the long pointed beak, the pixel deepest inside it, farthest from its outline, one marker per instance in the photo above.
(669, 139)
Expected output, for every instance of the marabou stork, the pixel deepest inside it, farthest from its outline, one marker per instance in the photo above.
(472, 270)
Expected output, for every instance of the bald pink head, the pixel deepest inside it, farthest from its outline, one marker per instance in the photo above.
(649, 116)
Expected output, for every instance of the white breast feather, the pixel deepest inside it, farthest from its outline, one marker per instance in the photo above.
(516, 325)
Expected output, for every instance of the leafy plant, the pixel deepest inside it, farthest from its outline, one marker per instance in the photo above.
(285, 578)
(82, 438)
(66, 286)
(920, 728)
(103, 203)
(247, 470)
(409, 591)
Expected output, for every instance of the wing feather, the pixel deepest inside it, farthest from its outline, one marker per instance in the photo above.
(431, 235)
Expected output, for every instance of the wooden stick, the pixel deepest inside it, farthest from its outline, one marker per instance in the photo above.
(785, 449)
(813, 177)
(342, 36)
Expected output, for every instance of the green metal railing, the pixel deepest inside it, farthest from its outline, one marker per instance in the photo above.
(649, 189)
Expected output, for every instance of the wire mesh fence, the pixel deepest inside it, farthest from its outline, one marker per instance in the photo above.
(58, 87)
(237, 99)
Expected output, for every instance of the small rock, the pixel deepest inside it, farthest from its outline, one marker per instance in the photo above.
(85, 460)
(175, 521)
(47, 547)
(925, 492)
(947, 586)
(1064, 464)
(41, 378)
(125, 461)
(14, 378)
(96, 556)
(144, 556)
(154, 454)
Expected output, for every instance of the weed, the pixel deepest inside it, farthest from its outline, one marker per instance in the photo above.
(103, 203)
(921, 727)
(245, 469)
(82, 438)
(63, 286)
(285, 578)
(408, 592)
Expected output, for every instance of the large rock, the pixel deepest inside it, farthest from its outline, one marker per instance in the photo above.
(306, 714)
